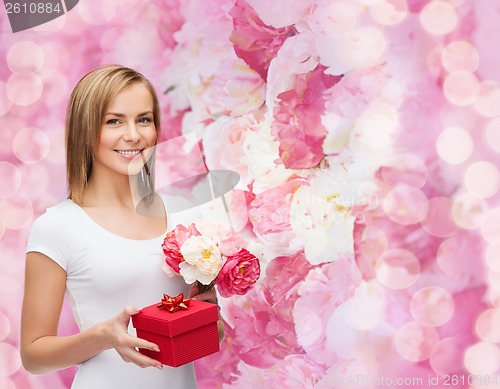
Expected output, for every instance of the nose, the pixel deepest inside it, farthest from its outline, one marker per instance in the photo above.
(131, 133)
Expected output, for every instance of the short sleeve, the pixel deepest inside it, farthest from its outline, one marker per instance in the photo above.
(47, 236)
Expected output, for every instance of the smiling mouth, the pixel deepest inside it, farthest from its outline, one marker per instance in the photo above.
(129, 152)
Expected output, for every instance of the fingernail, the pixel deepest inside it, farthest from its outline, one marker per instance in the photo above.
(159, 367)
(157, 349)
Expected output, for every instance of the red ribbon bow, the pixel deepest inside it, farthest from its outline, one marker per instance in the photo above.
(173, 304)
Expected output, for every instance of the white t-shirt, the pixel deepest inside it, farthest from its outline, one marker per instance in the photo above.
(106, 272)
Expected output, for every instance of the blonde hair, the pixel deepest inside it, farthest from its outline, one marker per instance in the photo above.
(87, 107)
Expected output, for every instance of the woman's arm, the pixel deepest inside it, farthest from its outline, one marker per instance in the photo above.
(42, 350)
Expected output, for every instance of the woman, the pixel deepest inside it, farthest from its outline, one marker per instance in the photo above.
(102, 246)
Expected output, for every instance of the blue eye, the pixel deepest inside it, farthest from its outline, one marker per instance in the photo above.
(112, 122)
(145, 120)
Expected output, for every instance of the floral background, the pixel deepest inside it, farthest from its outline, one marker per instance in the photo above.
(366, 134)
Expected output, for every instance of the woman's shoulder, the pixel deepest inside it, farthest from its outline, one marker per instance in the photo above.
(59, 214)
(52, 232)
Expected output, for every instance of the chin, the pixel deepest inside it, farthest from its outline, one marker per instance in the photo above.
(135, 166)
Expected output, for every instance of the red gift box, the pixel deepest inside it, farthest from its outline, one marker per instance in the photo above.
(183, 336)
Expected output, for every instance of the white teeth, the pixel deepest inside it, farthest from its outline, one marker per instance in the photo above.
(123, 152)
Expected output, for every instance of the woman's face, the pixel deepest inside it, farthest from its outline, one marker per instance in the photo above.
(127, 130)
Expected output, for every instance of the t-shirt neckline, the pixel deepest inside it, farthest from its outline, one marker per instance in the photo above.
(108, 232)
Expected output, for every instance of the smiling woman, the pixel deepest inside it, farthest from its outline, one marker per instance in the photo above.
(128, 130)
(102, 103)
(98, 248)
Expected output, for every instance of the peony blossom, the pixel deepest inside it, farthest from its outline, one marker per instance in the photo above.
(199, 53)
(284, 275)
(217, 369)
(324, 289)
(346, 102)
(344, 40)
(261, 329)
(281, 13)
(260, 343)
(225, 238)
(321, 215)
(172, 243)
(269, 214)
(296, 371)
(239, 273)
(200, 251)
(297, 120)
(235, 90)
(202, 260)
(262, 151)
(237, 202)
(255, 42)
(223, 145)
(296, 56)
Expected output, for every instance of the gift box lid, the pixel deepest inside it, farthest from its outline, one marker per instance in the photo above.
(160, 321)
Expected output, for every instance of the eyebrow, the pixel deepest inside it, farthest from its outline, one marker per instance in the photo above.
(121, 115)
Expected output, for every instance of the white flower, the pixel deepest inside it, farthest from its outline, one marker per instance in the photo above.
(325, 227)
(320, 215)
(296, 56)
(339, 132)
(262, 151)
(202, 260)
(234, 90)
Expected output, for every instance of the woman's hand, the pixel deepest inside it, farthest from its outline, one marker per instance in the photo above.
(42, 350)
(208, 296)
(114, 332)
(211, 297)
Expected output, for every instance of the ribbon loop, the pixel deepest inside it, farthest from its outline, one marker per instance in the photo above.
(173, 304)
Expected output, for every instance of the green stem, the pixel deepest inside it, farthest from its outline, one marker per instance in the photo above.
(204, 288)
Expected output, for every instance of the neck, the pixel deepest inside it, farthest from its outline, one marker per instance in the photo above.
(111, 190)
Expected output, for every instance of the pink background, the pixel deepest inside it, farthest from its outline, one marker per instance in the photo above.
(367, 137)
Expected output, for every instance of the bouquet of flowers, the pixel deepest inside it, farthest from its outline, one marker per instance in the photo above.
(210, 254)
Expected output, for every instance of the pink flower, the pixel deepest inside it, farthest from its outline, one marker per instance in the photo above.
(284, 275)
(269, 214)
(351, 97)
(297, 371)
(235, 90)
(261, 330)
(217, 369)
(173, 242)
(281, 13)
(296, 56)
(324, 289)
(237, 201)
(293, 371)
(262, 151)
(231, 244)
(223, 143)
(255, 42)
(228, 242)
(202, 46)
(297, 120)
(118, 37)
(210, 254)
(239, 273)
(260, 324)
